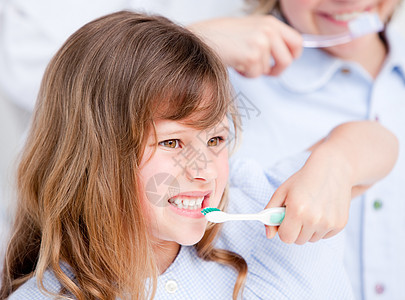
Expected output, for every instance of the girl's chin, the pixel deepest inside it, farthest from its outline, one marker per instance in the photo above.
(190, 239)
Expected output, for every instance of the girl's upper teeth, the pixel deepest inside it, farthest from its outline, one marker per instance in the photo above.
(187, 202)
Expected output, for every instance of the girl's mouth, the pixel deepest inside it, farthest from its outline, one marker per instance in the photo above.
(189, 205)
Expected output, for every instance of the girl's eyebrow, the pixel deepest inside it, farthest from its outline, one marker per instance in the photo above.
(223, 128)
(218, 129)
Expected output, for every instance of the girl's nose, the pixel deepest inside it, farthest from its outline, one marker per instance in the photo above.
(201, 169)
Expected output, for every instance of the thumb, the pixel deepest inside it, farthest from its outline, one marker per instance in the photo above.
(277, 200)
(387, 8)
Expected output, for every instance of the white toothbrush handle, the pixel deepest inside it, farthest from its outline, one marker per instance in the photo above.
(243, 217)
(270, 216)
(320, 41)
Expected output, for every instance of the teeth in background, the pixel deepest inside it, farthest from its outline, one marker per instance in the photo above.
(346, 17)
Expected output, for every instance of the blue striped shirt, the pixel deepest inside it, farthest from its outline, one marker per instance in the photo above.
(276, 270)
(282, 115)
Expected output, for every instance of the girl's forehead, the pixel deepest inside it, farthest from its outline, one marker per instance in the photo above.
(164, 126)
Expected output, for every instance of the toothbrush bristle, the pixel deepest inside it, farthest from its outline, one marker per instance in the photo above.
(209, 209)
(365, 24)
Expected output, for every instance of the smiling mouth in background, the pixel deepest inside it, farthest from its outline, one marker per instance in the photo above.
(344, 17)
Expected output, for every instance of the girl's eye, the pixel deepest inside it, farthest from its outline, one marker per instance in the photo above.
(170, 143)
(215, 141)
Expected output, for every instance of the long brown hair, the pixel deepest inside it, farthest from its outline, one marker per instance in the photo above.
(77, 178)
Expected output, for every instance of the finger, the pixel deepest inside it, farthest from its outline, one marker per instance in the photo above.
(290, 228)
(305, 235)
(255, 57)
(316, 237)
(240, 69)
(331, 233)
(292, 39)
(281, 55)
(254, 63)
(266, 63)
(278, 198)
(290, 36)
(387, 8)
(253, 69)
(271, 231)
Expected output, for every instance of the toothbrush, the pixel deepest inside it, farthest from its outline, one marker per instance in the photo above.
(364, 24)
(271, 216)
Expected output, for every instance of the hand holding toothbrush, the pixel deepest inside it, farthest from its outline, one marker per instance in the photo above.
(314, 202)
(248, 44)
(317, 198)
(258, 45)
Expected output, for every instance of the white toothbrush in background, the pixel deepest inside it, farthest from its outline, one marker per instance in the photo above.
(271, 216)
(364, 24)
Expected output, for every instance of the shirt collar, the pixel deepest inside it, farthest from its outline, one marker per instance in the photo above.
(310, 72)
(396, 58)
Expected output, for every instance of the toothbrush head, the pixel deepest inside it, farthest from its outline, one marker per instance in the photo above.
(207, 210)
(365, 24)
(214, 215)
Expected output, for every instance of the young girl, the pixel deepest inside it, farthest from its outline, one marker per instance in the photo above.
(128, 142)
(360, 80)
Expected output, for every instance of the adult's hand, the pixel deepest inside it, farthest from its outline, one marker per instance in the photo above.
(253, 45)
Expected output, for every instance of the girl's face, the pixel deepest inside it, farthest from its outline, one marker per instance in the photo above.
(187, 172)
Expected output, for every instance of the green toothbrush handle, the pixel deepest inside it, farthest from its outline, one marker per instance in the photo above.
(277, 217)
